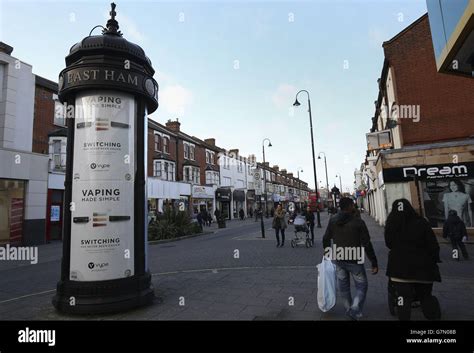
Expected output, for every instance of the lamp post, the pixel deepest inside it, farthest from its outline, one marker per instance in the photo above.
(104, 265)
(299, 184)
(264, 185)
(264, 172)
(326, 169)
(340, 182)
(297, 104)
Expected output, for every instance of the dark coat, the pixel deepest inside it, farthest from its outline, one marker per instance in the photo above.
(454, 228)
(348, 231)
(309, 216)
(414, 253)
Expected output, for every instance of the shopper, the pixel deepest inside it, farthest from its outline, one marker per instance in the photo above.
(241, 214)
(455, 229)
(309, 216)
(345, 230)
(412, 260)
(279, 224)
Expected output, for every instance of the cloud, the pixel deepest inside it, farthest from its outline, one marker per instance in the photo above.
(283, 96)
(175, 99)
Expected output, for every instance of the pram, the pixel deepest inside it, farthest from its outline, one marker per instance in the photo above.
(299, 222)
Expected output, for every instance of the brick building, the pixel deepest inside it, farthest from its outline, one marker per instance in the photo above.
(421, 143)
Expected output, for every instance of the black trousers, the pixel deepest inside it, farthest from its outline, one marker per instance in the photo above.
(277, 233)
(406, 292)
(311, 228)
(458, 244)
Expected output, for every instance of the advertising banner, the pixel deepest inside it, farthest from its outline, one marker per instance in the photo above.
(442, 196)
(102, 209)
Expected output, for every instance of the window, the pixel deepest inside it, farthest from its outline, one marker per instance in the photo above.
(164, 170)
(157, 168)
(191, 174)
(59, 112)
(239, 167)
(57, 154)
(157, 143)
(212, 178)
(188, 151)
(210, 157)
(166, 144)
(226, 181)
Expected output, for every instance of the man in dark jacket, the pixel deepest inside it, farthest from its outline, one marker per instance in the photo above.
(455, 229)
(351, 240)
(309, 216)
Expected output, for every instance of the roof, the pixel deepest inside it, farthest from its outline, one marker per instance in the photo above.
(59, 132)
(405, 30)
(44, 82)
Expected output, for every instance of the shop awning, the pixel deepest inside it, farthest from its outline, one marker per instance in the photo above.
(223, 194)
(239, 195)
(251, 195)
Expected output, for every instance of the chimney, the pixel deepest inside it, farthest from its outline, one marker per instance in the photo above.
(5, 48)
(277, 168)
(267, 164)
(234, 152)
(173, 125)
(290, 175)
(210, 141)
(283, 171)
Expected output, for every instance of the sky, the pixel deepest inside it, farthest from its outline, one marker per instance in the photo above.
(230, 69)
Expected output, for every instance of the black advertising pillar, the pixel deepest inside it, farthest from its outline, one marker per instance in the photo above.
(107, 89)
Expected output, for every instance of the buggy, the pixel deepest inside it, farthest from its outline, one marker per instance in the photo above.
(301, 232)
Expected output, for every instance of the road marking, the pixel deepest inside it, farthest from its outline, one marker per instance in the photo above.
(26, 296)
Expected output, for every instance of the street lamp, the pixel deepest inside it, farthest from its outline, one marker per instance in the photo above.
(340, 182)
(326, 168)
(299, 184)
(297, 104)
(264, 185)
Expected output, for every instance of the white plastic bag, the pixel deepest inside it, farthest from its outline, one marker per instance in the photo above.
(326, 285)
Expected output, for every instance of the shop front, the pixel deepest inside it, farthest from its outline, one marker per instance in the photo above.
(251, 199)
(238, 202)
(163, 195)
(12, 201)
(223, 200)
(431, 181)
(203, 199)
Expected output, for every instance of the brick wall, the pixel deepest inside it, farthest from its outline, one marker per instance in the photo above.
(43, 122)
(446, 101)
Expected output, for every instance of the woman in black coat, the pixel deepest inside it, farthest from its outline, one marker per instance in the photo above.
(455, 229)
(412, 261)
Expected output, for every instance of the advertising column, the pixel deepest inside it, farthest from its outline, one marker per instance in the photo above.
(103, 180)
(107, 89)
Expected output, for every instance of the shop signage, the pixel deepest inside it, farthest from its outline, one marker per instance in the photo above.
(55, 212)
(201, 192)
(429, 172)
(102, 224)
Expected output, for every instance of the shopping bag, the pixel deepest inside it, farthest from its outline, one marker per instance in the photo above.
(326, 285)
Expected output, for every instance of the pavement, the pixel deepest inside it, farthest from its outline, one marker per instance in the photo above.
(233, 274)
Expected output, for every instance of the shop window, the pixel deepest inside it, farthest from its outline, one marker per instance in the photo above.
(11, 210)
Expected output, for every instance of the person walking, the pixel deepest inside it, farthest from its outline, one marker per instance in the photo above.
(217, 214)
(279, 224)
(412, 260)
(200, 219)
(455, 229)
(349, 233)
(241, 214)
(309, 216)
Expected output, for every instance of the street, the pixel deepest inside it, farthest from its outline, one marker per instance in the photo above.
(233, 274)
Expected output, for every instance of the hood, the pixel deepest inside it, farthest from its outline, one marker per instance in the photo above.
(343, 217)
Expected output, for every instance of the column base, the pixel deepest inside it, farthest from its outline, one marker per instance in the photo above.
(103, 297)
